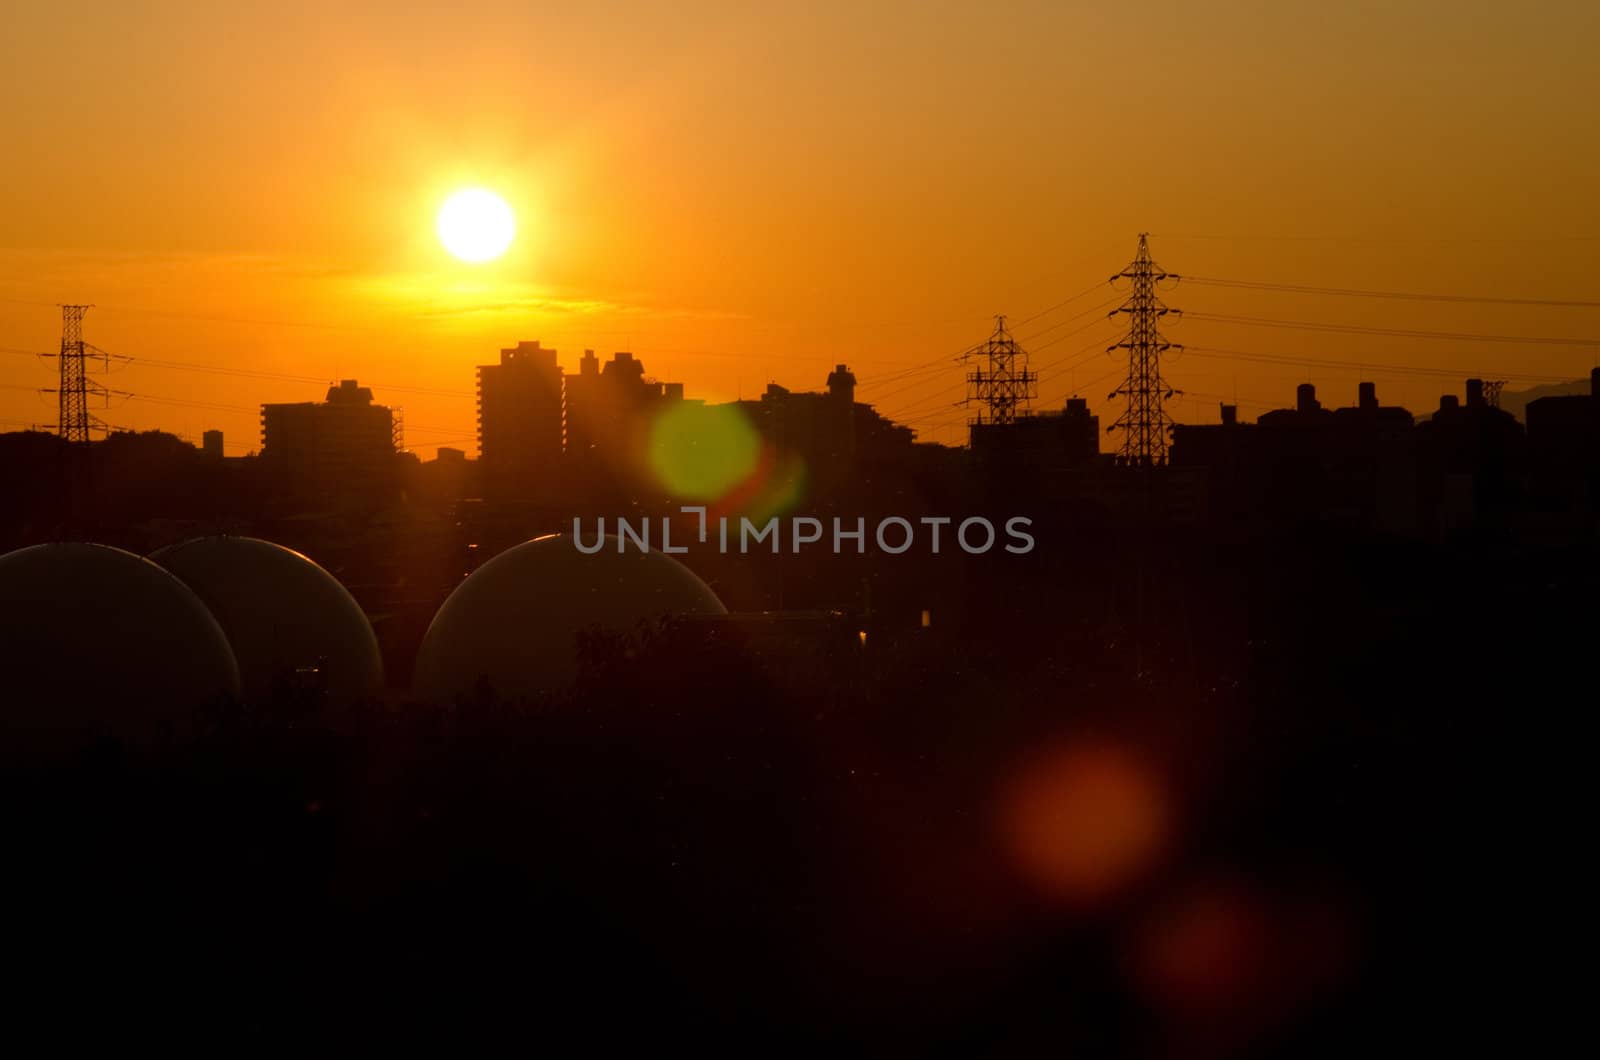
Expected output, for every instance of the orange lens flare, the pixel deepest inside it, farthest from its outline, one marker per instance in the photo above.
(1083, 822)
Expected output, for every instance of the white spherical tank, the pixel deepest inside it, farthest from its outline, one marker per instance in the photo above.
(515, 621)
(282, 613)
(97, 640)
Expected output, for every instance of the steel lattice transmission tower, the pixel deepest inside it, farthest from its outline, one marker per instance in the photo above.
(76, 386)
(1145, 423)
(1003, 381)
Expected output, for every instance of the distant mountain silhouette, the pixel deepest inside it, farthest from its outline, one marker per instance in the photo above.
(1516, 401)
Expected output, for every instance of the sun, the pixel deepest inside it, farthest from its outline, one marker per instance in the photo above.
(476, 225)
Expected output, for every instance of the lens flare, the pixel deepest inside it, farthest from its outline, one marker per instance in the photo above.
(700, 453)
(1085, 821)
(1230, 957)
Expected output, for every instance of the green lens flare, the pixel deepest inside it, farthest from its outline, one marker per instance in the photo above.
(701, 453)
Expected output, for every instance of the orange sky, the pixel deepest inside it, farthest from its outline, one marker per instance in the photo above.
(743, 196)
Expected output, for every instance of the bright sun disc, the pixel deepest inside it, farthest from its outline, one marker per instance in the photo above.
(476, 225)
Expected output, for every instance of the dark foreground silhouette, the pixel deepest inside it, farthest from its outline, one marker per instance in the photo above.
(1336, 819)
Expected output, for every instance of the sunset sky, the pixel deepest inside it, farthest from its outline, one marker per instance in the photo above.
(750, 193)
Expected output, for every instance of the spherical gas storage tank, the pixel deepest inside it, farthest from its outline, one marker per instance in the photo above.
(95, 640)
(515, 621)
(287, 618)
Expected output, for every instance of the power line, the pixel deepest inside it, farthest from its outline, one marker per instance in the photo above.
(909, 388)
(925, 366)
(1376, 367)
(1115, 299)
(238, 373)
(937, 362)
(254, 410)
(1404, 333)
(254, 373)
(923, 403)
(1064, 302)
(1093, 382)
(1421, 240)
(938, 399)
(1094, 344)
(208, 406)
(1347, 292)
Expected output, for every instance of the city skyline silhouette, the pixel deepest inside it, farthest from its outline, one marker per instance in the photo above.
(917, 394)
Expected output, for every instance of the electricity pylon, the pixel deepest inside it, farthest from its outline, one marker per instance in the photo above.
(1003, 382)
(1144, 423)
(76, 386)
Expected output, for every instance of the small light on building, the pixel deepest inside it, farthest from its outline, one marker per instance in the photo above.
(927, 618)
(863, 636)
